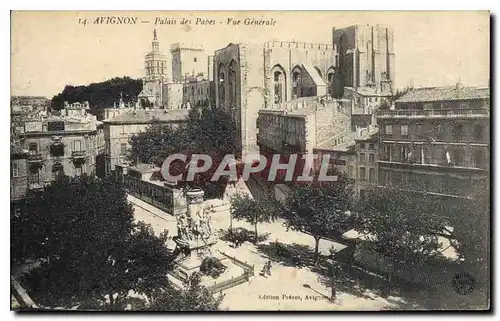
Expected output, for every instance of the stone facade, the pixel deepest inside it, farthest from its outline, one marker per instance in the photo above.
(366, 57)
(249, 78)
(294, 70)
(156, 74)
(72, 143)
(197, 93)
(118, 130)
(366, 174)
(173, 96)
(188, 61)
(18, 174)
(436, 140)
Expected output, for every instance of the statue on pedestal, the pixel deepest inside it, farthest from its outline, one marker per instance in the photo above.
(194, 226)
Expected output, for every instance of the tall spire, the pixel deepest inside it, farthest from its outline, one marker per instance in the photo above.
(155, 43)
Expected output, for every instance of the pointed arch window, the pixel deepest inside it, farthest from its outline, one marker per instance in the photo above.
(297, 82)
(279, 84)
(232, 84)
(221, 85)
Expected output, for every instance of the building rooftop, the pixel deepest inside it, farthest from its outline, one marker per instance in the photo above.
(16, 150)
(369, 133)
(458, 92)
(143, 168)
(142, 116)
(341, 144)
(369, 91)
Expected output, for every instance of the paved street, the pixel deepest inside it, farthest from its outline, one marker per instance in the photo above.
(284, 289)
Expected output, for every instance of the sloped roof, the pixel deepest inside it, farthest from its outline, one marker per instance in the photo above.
(314, 75)
(431, 94)
(16, 150)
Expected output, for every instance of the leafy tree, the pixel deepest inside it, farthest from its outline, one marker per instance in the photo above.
(400, 226)
(470, 220)
(209, 132)
(320, 209)
(194, 298)
(156, 143)
(386, 103)
(100, 95)
(212, 131)
(254, 211)
(89, 247)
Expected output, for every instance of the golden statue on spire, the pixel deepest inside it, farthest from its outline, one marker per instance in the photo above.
(154, 34)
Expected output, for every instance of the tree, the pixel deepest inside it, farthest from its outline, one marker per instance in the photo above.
(320, 209)
(156, 143)
(208, 132)
(254, 211)
(400, 226)
(89, 246)
(470, 234)
(100, 95)
(194, 298)
(386, 103)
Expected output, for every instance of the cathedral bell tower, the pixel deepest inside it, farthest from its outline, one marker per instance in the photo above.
(155, 66)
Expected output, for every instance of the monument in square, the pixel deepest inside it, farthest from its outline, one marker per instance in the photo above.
(195, 253)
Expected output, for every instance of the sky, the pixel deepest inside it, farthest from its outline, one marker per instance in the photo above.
(51, 49)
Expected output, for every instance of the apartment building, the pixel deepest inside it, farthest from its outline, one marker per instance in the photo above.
(436, 140)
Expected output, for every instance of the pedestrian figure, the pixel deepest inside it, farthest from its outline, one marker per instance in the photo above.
(268, 268)
(263, 270)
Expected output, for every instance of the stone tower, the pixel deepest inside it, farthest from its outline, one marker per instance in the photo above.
(365, 57)
(155, 75)
(188, 61)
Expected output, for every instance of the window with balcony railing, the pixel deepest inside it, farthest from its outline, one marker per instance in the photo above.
(479, 159)
(371, 175)
(362, 173)
(478, 132)
(388, 129)
(404, 130)
(457, 132)
(34, 175)
(14, 169)
(33, 147)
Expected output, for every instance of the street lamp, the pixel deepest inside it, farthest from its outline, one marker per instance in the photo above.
(334, 293)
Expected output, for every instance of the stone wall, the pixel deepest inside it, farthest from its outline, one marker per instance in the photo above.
(287, 55)
(172, 96)
(252, 95)
(331, 122)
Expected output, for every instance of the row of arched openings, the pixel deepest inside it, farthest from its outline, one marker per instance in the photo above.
(280, 82)
(227, 83)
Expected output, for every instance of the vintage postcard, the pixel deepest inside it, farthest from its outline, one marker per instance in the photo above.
(250, 161)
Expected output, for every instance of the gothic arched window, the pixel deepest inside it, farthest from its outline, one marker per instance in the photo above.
(221, 85)
(232, 84)
(297, 82)
(330, 76)
(279, 84)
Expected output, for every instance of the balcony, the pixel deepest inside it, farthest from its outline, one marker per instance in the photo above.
(35, 157)
(433, 113)
(56, 149)
(78, 157)
(36, 186)
(78, 154)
